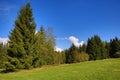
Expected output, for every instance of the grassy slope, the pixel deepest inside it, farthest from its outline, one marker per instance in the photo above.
(92, 70)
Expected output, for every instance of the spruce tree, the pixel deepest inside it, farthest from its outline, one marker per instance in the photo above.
(72, 54)
(96, 48)
(2, 54)
(90, 49)
(114, 48)
(82, 48)
(21, 39)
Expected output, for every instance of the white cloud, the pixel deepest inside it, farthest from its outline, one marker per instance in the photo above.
(81, 43)
(4, 40)
(72, 39)
(75, 41)
(58, 49)
(36, 32)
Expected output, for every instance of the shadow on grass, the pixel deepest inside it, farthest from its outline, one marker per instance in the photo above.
(7, 71)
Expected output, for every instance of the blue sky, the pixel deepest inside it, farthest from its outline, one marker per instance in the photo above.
(79, 19)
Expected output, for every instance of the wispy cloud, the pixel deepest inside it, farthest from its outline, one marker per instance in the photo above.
(76, 41)
(4, 40)
(5, 9)
(64, 38)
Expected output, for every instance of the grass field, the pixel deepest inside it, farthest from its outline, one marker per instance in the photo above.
(92, 70)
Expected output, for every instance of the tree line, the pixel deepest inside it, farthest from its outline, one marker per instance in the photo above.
(28, 49)
(95, 49)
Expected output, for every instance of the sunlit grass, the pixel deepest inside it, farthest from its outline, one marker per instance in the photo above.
(92, 70)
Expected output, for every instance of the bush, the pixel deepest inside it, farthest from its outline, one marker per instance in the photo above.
(59, 58)
(12, 64)
(28, 62)
(38, 62)
(27, 66)
(9, 67)
(3, 59)
(83, 57)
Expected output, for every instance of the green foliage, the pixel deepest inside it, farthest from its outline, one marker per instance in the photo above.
(72, 54)
(75, 55)
(90, 48)
(82, 48)
(3, 51)
(30, 49)
(104, 50)
(83, 57)
(114, 47)
(50, 53)
(96, 48)
(59, 58)
(38, 61)
(40, 43)
(11, 64)
(44, 48)
(22, 36)
(21, 39)
(9, 67)
(27, 49)
(27, 62)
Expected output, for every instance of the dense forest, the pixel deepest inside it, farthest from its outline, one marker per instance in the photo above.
(28, 49)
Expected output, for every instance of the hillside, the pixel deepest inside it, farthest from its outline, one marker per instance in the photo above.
(92, 70)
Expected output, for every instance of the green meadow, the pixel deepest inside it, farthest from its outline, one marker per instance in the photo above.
(108, 69)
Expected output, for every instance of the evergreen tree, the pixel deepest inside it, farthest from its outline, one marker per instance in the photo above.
(90, 49)
(67, 56)
(114, 47)
(82, 48)
(44, 53)
(1, 48)
(96, 48)
(72, 54)
(22, 37)
(98, 44)
(104, 50)
(2, 54)
(40, 48)
(107, 47)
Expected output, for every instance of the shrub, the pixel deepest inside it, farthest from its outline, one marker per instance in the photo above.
(27, 62)
(83, 57)
(12, 64)
(9, 67)
(38, 62)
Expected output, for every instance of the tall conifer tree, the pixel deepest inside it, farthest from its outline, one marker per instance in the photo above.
(21, 39)
(96, 48)
(114, 48)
